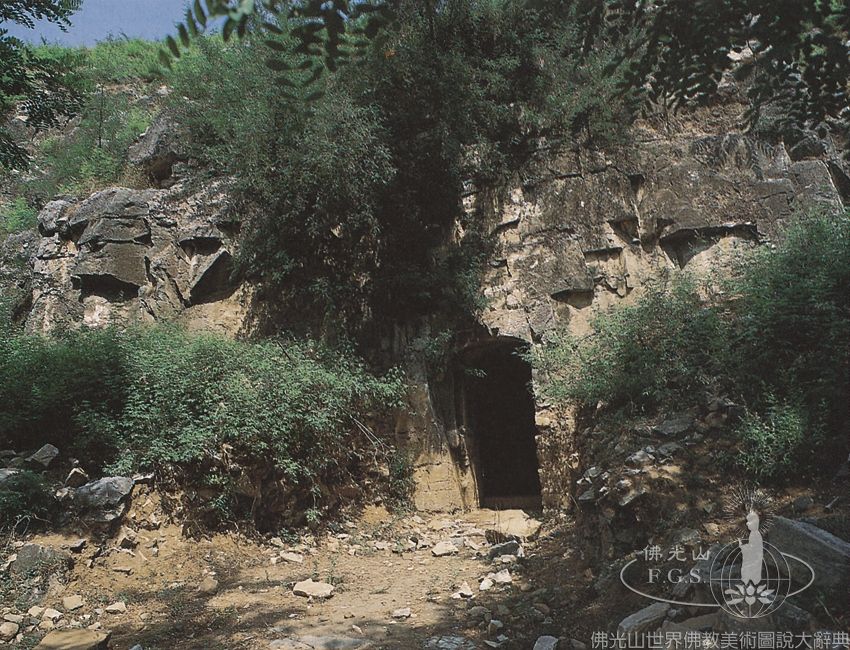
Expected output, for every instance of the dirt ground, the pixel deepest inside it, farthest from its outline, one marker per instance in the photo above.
(228, 591)
(390, 590)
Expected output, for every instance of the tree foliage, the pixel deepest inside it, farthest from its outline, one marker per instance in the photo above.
(37, 85)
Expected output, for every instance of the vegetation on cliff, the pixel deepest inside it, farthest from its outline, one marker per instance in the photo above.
(774, 337)
(198, 406)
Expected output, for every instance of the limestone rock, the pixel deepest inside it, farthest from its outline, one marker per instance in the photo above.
(444, 548)
(828, 555)
(310, 589)
(74, 640)
(8, 630)
(118, 607)
(71, 603)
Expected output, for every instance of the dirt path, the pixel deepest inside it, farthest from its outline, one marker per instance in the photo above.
(390, 590)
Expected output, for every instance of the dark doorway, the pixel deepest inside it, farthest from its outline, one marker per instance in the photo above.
(499, 413)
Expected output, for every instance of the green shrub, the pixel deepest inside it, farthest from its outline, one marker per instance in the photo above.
(198, 407)
(791, 319)
(24, 499)
(774, 442)
(17, 216)
(94, 155)
(654, 353)
(780, 344)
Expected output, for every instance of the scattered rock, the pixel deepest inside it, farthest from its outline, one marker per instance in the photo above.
(290, 556)
(486, 584)
(116, 608)
(639, 458)
(71, 603)
(43, 456)
(7, 473)
(503, 577)
(464, 591)
(448, 643)
(310, 589)
(51, 614)
(644, 620)
(444, 548)
(8, 630)
(674, 426)
(78, 546)
(77, 477)
(511, 547)
(803, 503)
(319, 643)
(35, 611)
(208, 586)
(587, 496)
(74, 640)
(13, 618)
(546, 643)
(403, 612)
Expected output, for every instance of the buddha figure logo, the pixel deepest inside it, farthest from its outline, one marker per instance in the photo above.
(748, 578)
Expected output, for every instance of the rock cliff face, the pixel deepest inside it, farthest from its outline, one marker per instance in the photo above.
(584, 230)
(126, 255)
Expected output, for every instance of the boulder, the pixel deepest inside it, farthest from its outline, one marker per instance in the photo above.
(74, 640)
(828, 555)
(44, 456)
(105, 500)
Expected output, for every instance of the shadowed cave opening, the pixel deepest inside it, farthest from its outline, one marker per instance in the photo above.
(498, 409)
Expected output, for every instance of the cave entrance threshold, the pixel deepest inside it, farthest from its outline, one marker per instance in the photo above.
(498, 408)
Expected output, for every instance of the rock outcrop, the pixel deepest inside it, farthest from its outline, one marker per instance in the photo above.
(125, 255)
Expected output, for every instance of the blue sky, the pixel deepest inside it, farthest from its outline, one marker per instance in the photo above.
(98, 19)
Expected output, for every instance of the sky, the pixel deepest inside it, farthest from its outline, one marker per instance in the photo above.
(98, 19)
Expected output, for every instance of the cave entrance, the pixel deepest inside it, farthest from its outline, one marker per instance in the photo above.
(498, 414)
